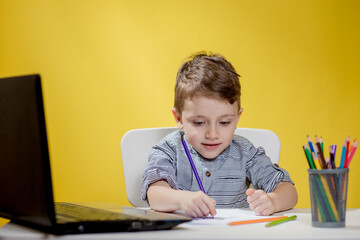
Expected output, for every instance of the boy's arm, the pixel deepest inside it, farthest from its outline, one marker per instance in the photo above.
(163, 198)
(284, 197)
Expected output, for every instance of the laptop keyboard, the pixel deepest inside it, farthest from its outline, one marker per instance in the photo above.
(82, 213)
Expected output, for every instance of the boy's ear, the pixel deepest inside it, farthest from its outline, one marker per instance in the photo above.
(239, 114)
(177, 118)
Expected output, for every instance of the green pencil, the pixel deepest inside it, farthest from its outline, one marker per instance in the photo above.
(276, 222)
(308, 157)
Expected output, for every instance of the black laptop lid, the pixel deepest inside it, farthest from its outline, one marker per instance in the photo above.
(25, 181)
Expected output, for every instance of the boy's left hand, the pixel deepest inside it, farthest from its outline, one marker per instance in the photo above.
(260, 202)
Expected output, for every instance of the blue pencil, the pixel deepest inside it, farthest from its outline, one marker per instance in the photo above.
(343, 156)
(311, 146)
(193, 166)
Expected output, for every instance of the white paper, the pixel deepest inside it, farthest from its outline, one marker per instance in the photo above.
(225, 216)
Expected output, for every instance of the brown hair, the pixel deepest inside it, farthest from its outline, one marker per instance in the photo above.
(209, 75)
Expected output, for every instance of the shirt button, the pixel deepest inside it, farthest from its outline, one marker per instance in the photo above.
(208, 174)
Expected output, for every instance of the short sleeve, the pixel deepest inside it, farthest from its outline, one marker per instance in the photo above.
(161, 166)
(262, 173)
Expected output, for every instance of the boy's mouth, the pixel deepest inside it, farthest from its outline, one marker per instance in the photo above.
(211, 146)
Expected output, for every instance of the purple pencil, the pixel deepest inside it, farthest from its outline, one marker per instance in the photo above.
(193, 166)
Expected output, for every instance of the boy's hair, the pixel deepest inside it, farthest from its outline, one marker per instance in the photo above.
(209, 75)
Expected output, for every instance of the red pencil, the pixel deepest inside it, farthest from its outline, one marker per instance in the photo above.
(347, 152)
(352, 152)
(352, 145)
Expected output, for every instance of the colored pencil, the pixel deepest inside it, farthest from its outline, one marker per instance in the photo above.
(260, 220)
(308, 157)
(347, 151)
(276, 222)
(311, 146)
(316, 139)
(193, 166)
(334, 149)
(352, 152)
(330, 196)
(343, 154)
(320, 155)
(352, 145)
(328, 163)
(332, 157)
(324, 202)
(319, 202)
(322, 144)
(316, 161)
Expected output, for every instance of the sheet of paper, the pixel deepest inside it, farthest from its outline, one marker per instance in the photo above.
(227, 215)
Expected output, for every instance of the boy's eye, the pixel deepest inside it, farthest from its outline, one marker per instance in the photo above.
(198, 123)
(224, 123)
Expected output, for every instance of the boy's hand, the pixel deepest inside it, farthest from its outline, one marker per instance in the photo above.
(197, 204)
(260, 202)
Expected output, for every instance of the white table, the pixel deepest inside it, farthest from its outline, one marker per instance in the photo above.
(297, 229)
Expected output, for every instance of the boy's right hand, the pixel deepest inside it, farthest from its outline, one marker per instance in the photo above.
(197, 204)
(165, 199)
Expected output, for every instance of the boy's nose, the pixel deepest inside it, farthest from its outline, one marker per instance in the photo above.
(211, 133)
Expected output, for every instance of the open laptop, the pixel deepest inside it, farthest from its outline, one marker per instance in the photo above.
(26, 195)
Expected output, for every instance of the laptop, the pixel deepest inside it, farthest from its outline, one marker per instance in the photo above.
(26, 194)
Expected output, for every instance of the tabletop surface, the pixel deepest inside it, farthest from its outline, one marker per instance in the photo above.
(300, 228)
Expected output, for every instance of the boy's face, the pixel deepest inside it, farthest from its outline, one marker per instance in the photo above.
(209, 124)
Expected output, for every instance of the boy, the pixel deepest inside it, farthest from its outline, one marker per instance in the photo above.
(207, 110)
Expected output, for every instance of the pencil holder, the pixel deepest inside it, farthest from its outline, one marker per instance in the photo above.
(328, 195)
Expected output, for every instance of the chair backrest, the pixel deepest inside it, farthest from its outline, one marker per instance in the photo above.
(136, 144)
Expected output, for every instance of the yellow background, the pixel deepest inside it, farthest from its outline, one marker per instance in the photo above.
(110, 66)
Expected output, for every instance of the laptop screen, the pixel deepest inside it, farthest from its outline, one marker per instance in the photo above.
(25, 184)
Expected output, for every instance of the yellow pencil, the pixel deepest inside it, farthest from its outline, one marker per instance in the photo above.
(316, 161)
(329, 197)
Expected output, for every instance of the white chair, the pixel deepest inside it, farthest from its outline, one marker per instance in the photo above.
(136, 144)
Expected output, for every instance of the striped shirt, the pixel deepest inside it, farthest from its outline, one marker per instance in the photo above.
(225, 178)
